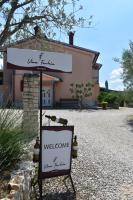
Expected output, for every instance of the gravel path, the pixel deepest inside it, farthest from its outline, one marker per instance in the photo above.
(104, 168)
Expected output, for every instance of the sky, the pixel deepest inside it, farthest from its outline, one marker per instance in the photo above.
(110, 34)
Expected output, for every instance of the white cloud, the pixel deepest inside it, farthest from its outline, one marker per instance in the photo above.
(118, 80)
(116, 73)
(102, 84)
(118, 87)
(115, 81)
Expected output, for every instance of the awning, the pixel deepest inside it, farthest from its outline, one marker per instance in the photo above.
(47, 77)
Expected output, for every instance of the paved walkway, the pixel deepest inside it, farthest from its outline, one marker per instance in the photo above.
(104, 168)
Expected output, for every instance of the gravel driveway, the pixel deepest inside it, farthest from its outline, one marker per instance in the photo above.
(104, 168)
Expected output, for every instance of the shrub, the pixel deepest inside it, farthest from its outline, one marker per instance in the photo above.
(80, 91)
(102, 96)
(11, 138)
(104, 105)
(112, 98)
(11, 148)
(129, 97)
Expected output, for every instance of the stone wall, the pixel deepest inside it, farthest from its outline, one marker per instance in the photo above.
(30, 104)
(20, 186)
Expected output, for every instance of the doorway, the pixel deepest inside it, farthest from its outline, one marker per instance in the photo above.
(47, 97)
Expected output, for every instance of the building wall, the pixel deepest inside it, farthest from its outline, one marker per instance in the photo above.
(96, 89)
(81, 70)
(7, 79)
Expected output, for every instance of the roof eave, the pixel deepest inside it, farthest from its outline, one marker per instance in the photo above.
(97, 66)
(4, 48)
(95, 58)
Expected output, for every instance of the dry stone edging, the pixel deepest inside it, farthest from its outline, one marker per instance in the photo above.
(20, 183)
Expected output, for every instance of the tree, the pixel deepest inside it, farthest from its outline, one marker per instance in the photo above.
(106, 85)
(127, 65)
(129, 97)
(18, 17)
(126, 62)
(80, 91)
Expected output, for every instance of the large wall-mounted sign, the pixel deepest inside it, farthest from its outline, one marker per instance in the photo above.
(27, 59)
(56, 147)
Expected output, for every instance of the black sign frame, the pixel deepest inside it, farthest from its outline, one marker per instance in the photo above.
(66, 173)
(44, 175)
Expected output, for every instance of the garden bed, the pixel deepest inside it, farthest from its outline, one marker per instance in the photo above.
(16, 184)
(15, 148)
(4, 187)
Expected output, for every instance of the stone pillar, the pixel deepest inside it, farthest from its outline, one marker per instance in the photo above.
(30, 104)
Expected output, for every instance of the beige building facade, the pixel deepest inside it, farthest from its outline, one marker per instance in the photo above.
(56, 85)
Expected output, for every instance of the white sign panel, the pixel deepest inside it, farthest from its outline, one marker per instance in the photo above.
(56, 150)
(28, 59)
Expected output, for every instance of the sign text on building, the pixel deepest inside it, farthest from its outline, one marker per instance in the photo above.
(28, 59)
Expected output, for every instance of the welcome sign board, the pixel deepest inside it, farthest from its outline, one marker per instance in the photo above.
(27, 59)
(56, 146)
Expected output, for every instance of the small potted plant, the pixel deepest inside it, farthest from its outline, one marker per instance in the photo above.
(104, 105)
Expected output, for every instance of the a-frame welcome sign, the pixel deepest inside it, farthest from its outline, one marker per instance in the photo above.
(56, 146)
(27, 59)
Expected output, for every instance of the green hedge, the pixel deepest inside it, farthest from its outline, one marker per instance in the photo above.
(112, 98)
